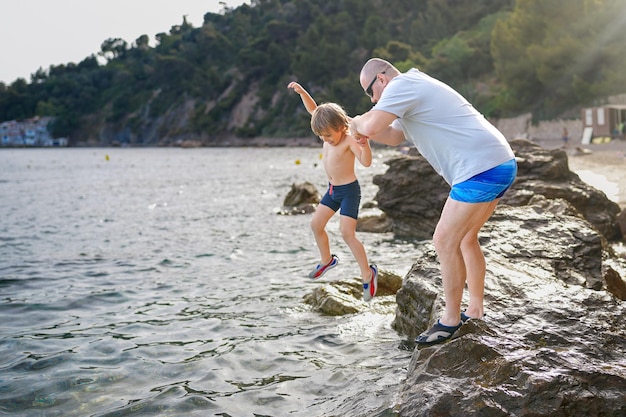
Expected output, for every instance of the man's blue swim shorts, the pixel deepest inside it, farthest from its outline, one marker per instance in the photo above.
(486, 186)
(347, 197)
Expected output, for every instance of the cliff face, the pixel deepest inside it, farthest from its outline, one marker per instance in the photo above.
(141, 129)
(176, 124)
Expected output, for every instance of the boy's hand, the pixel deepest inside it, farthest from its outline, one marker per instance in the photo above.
(307, 100)
(296, 87)
(358, 138)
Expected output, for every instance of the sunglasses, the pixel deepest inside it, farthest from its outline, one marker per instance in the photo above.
(368, 90)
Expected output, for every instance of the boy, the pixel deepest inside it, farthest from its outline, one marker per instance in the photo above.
(331, 123)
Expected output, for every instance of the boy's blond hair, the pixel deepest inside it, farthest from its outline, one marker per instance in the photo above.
(329, 116)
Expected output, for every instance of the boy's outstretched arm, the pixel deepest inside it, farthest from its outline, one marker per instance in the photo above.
(307, 100)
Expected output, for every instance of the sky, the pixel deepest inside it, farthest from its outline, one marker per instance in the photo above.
(38, 33)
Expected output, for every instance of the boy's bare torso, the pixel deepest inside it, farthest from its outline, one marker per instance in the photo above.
(338, 162)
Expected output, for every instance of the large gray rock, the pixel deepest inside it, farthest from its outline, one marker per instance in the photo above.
(303, 193)
(553, 342)
(412, 195)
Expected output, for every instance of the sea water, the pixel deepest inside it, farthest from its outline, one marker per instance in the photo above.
(162, 282)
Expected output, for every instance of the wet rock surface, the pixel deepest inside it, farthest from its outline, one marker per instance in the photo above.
(553, 341)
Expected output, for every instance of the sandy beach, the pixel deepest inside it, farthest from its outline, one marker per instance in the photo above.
(600, 165)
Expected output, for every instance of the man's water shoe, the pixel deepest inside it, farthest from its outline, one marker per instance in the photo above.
(322, 269)
(437, 334)
(370, 288)
(465, 318)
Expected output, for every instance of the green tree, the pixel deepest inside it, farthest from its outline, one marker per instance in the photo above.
(552, 55)
(113, 48)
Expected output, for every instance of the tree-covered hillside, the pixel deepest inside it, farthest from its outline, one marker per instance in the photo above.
(229, 77)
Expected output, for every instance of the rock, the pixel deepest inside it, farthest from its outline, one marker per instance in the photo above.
(301, 199)
(334, 299)
(412, 194)
(546, 172)
(553, 341)
(340, 297)
(305, 193)
(374, 224)
(621, 221)
(419, 299)
(614, 282)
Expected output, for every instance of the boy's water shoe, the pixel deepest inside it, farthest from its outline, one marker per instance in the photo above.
(370, 288)
(322, 269)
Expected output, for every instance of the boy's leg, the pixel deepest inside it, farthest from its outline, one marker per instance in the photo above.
(348, 233)
(321, 216)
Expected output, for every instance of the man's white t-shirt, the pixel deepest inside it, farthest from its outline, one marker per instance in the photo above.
(446, 129)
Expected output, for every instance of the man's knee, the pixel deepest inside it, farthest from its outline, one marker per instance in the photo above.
(470, 241)
(446, 240)
(440, 240)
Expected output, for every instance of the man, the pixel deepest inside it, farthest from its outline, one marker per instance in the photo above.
(466, 150)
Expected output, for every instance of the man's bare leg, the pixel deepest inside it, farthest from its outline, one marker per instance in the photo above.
(475, 268)
(459, 222)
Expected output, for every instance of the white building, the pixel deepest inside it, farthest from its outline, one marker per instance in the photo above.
(29, 132)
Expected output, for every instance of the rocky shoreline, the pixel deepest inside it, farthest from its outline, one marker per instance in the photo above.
(553, 341)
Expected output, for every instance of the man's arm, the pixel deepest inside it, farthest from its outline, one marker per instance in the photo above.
(376, 125)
